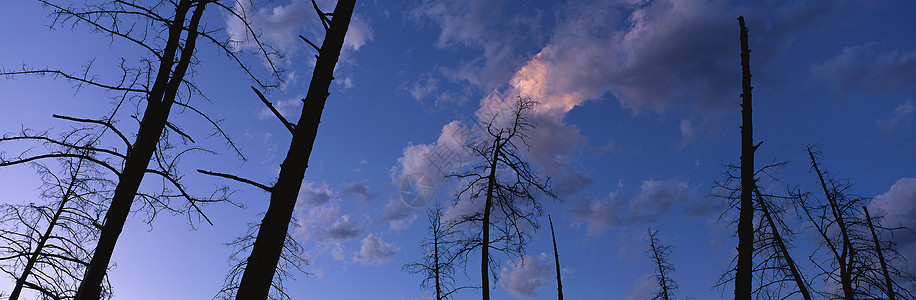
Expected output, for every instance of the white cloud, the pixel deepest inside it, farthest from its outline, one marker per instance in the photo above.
(643, 289)
(375, 251)
(359, 33)
(525, 277)
(279, 25)
(898, 206)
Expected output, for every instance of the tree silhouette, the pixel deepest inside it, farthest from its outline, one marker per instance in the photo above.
(169, 32)
(745, 264)
(556, 257)
(438, 265)
(853, 251)
(505, 183)
(47, 245)
(659, 254)
(268, 246)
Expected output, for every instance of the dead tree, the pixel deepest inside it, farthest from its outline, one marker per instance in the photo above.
(506, 184)
(169, 31)
(659, 254)
(47, 245)
(853, 252)
(556, 257)
(267, 248)
(836, 215)
(745, 264)
(438, 265)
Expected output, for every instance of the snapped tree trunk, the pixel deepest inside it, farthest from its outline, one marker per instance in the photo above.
(265, 253)
(155, 116)
(887, 277)
(746, 215)
(556, 257)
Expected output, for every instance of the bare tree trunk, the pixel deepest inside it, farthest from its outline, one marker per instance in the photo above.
(485, 239)
(793, 268)
(745, 265)
(265, 253)
(556, 257)
(157, 112)
(887, 277)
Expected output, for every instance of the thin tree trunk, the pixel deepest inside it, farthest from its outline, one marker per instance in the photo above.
(845, 260)
(157, 111)
(887, 277)
(556, 257)
(799, 280)
(485, 248)
(265, 254)
(20, 282)
(436, 256)
(746, 215)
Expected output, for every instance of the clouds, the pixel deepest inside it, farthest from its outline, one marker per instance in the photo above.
(522, 279)
(863, 67)
(653, 198)
(643, 289)
(280, 25)
(374, 250)
(357, 190)
(320, 217)
(898, 206)
(344, 229)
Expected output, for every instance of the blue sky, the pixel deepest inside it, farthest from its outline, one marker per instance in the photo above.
(638, 111)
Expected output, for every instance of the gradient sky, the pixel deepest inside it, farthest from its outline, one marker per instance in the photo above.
(638, 111)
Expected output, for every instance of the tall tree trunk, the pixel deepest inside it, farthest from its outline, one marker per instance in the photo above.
(157, 111)
(793, 268)
(556, 257)
(887, 277)
(746, 215)
(20, 282)
(845, 259)
(265, 253)
(485, 239)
